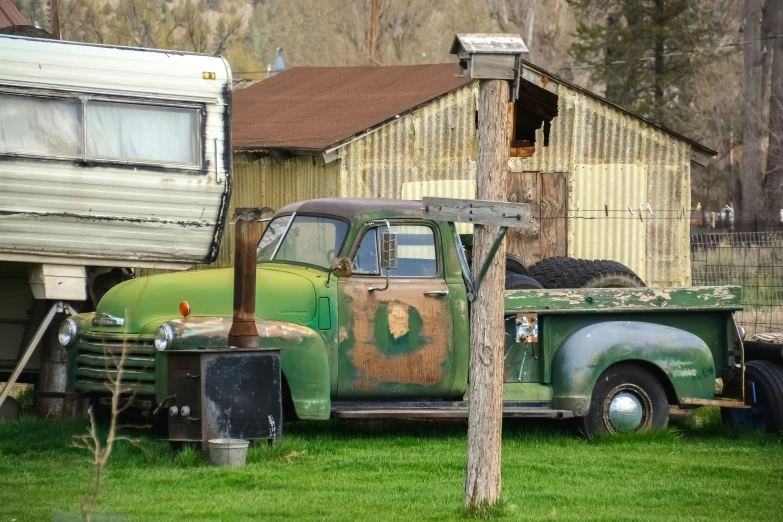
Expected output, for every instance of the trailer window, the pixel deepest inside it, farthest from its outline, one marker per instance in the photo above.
(145, 133)
(106, 131)
(40, 126)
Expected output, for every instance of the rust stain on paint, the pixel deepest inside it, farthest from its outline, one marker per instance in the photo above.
(402, 338)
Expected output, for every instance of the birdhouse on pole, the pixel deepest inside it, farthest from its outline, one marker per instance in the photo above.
(490, 57)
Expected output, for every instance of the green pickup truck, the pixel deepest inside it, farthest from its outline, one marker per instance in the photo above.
(356, 344)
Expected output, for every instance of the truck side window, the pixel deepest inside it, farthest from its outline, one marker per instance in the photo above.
(366, 259)
(415, 251)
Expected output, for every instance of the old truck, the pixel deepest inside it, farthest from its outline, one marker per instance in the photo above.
(360, 336)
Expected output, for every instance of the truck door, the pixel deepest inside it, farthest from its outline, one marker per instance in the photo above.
(396, 342)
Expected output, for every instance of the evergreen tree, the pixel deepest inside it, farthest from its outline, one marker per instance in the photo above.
(644, 51)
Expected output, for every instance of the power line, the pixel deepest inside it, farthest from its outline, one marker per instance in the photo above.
(616, 62)
(673, 53)
(313, 20)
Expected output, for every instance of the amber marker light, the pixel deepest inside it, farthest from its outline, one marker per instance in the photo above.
(184, 308)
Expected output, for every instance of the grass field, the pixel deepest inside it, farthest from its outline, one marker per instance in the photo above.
(404, 471)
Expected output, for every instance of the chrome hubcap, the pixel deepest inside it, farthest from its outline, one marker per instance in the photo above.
(625, 412)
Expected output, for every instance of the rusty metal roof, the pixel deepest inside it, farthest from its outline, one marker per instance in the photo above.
(319, 108)
(9, 15)
(315, 108)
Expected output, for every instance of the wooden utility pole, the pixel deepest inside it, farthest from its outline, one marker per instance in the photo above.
(375, 26)
(495, 61)
(55, 20)
(487, 332)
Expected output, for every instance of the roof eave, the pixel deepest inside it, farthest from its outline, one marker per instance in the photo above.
(329, 152)
(543, 77)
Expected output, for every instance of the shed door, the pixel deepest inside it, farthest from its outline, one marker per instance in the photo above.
(546, 193)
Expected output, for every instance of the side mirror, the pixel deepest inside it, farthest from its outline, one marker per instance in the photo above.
(341, 267)
(388, 250)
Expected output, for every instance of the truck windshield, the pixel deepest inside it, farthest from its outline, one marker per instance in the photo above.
(311, 240)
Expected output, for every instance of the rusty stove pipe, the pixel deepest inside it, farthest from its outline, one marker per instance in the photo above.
(247, 234)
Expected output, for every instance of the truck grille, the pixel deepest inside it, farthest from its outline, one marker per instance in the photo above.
(95, 359)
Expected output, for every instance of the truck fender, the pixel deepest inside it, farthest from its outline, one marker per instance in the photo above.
(303, 358)
(680, 357)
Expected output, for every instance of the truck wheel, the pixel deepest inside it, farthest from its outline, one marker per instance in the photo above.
(515, 265)
(521, 282)
(568, 272)
(625, 399)
(767, 412)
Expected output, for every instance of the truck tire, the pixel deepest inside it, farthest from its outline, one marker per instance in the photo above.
(515, 265)
(568, 272)
(521, 282)
(626, 398)
(767, 412)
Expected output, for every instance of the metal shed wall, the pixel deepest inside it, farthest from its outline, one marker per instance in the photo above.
(436, 142)
(270, 183)
(588, 134)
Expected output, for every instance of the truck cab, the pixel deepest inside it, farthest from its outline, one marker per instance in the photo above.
(360, 339)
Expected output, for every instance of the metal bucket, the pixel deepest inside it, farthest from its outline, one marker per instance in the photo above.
(228, 452)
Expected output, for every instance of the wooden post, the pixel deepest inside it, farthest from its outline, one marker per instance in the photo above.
(56, 20)
(482, 483)
(375, 25)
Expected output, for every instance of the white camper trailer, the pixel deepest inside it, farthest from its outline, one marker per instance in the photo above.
(111, 158)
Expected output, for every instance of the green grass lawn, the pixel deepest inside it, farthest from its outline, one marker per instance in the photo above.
(404, 471)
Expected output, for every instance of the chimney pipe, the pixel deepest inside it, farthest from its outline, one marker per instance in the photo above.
(247, 234)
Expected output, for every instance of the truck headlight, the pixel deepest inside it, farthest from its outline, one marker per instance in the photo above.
(163, 337)
(67, 332)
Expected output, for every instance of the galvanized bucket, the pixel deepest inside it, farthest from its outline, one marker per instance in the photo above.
(228, 452)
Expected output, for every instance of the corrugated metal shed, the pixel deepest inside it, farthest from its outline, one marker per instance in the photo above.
(595, 144)
(612, 159)
(434, 143)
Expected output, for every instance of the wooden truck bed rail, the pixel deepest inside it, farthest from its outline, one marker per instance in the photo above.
(596, 300)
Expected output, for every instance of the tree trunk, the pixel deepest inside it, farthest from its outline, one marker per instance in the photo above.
(482, 483)
(752, 107)
(773, 181)
(658, 65)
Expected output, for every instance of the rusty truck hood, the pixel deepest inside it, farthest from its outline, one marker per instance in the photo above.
(282, 294)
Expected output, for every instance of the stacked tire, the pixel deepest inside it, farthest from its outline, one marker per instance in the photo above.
(567, 272)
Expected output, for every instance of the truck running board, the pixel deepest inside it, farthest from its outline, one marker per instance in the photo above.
(438, 410)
